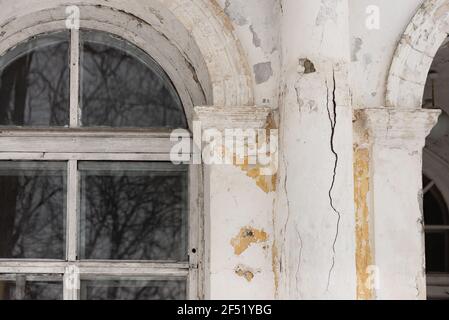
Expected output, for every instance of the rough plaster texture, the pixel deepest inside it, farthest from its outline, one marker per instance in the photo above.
(314, 231)
(414, 54)
(257, 25)
(315, 207)
(372, 50)
(397, 137)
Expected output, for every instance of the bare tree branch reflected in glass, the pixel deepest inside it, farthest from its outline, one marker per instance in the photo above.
(21, 289)
(125, 210)
(34, 83)
(133, 214)
(123, 87)
(32, 210)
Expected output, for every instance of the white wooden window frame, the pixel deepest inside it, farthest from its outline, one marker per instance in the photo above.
(76, 144)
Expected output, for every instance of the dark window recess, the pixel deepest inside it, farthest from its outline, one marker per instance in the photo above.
(437, 240)
(34, 83)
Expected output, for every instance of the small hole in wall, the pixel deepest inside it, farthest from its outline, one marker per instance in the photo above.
(193, 250)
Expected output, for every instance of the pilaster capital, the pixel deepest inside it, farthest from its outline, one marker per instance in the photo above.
(396, 127)
(238, 117)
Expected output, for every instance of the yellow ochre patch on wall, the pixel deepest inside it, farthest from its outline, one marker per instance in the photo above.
(363, 246)
(265, 182)
(246, 237)
(244, 272)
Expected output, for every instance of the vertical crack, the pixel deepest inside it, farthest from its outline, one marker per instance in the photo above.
(287, 223)
(298, 267)
(332, 113)
(284, 233)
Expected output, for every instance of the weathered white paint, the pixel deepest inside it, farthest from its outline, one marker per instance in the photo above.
(414, 55)
(315, 207)
(397, 137)
(372, 50)
(195, 41)
(233, 54)
(233, 201)
(257, 25)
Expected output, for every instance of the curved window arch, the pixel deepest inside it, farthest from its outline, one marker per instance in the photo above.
(435, 165)
(119, 85)
(91, 197)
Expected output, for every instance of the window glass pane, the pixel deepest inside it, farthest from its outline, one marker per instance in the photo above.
(123, 87)
(30, 287)
(32, 209)
(133, 290)
(133, 211)
(34, 82)
(435, 209)
(437, 251)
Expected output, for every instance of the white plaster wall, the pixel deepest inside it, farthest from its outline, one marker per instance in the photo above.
(372, 50)
(398, 224)
(236, 203)
(300, 219)
(315, 213)
(257, 26)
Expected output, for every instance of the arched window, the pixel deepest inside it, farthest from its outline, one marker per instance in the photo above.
(436, 179)
(90, 205)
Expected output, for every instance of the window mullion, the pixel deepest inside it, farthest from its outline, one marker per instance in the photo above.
(74, 77)
(72, 283)
(72, 210)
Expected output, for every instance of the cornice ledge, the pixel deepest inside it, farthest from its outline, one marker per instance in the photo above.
(238, 117)
(396, 126)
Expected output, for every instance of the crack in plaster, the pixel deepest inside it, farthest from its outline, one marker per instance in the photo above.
(333, 122)
(296, 229)
(298, 99)
(298, 266)
(288, 211)
(298, 234)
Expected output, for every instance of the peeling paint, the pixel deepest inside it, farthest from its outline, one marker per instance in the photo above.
(306, 66)
(263, 72)
(267, 183)
(245, 272)
(234, 13)
(246, 237)
(256, 40)
(328, 12)
(356, 47)
(364, 257)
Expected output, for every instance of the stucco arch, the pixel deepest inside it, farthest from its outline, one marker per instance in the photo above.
(193, 40)
(415, 52)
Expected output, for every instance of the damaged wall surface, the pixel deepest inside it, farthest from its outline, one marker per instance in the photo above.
(342, 81)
